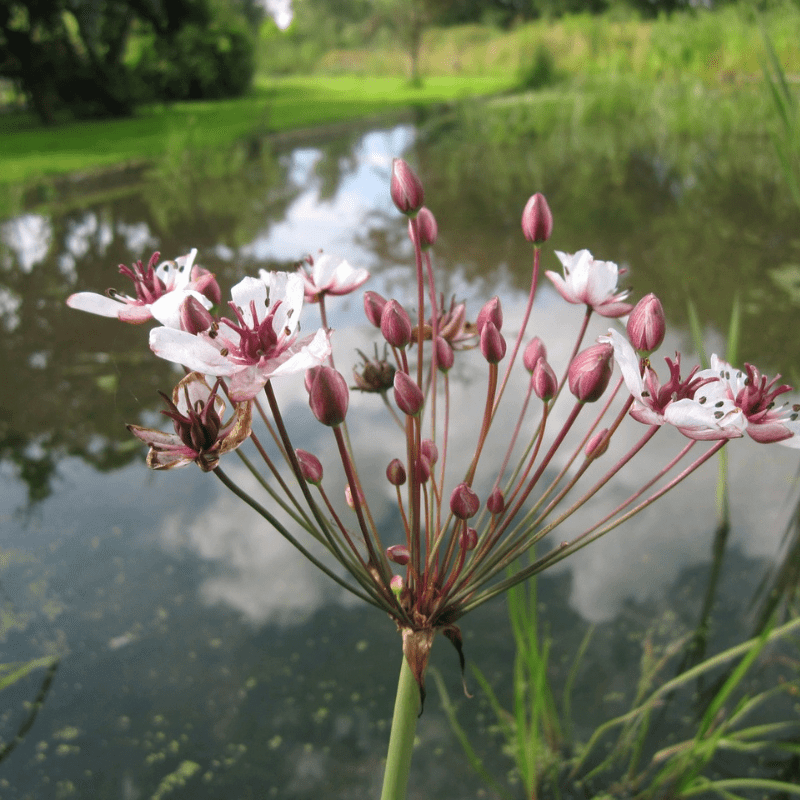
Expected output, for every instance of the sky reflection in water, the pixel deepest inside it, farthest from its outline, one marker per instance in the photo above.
(114, 563)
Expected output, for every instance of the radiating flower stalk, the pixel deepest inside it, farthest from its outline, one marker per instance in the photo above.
(455, 547)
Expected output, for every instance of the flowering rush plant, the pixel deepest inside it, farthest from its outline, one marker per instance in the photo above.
(457, 549)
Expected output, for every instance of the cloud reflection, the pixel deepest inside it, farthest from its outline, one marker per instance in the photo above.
(261, 574)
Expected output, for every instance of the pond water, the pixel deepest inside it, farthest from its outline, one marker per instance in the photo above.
(201, 656)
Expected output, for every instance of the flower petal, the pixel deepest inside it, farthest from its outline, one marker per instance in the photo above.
(95, 304)
(193, 352)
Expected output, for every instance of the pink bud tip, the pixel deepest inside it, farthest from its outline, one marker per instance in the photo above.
(395, 324)
(406, 188)
(398, 553)
(396, 472)
(328, 395)
(464, 503)
(537, 219)
(496, 502)
(348, 496)
(428, 229)
(310, 467)
(445, 357)
(469, 539)
(647, 325)
(373, 307)
(407, 394)
(493, 345)
(205, 282)
(396, 584)
(533, 352)
(544, 380)
(597, 445)
(491, 312)
(429, 449)
(590, 372)
(195, 317)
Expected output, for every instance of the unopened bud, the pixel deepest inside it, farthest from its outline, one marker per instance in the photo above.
(533, 352)
(544, 380)
(348, 496)
(464, 503)
(195, 317)
(496, 502)
(310, 467)
(537, 219)
(398, 553)
(493, 345)
(328, 396)
(205, 282)
(396, 472)
(445, 357)
(406, 188)
(423, 469)
(597, 445)
(468, 539)
(395, 324)
(590, 372)
(373, 307)
(491, 312)
(407, 394)
(396, 584)
(429, 449)
(647, 325)
(428, 229)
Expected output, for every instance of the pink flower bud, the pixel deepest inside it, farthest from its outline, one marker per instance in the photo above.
(429, 449)
(491, 311)
(396, 584)
(496, 502)
(533, 352)
(205, 282)
(328, 396)
(423, 469)
(590, 372)
(597, 445)
(544, 380)
(537, 219)
(468, 539)
(406, 188)
(399, 554)
(195, 317)
(428, 229)
(445, 357)
(396, 472)
(395, 324)
(493, 345)
(310, 467)
(646, 325)
(348, 497)
(373, 307)
(464, 503)
(407, 394)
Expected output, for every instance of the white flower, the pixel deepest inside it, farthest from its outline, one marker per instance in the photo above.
(591, 282)
(160, 291)
(261, 344)
(329, 275)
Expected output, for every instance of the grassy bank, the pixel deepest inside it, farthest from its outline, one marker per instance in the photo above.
(635, 59)
(31, 152)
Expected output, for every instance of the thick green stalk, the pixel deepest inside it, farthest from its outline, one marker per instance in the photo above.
(401, 740)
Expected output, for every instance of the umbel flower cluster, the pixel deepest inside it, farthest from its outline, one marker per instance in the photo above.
(456, 546)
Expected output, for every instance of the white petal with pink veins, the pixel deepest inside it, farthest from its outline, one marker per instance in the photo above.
(193, 352)
(95, 304)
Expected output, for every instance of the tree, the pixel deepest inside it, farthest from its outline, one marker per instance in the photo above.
(74, 54)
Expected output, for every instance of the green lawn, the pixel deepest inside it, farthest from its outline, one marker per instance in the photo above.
(30, 152)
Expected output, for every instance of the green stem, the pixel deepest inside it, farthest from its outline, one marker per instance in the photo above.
(401, 740)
